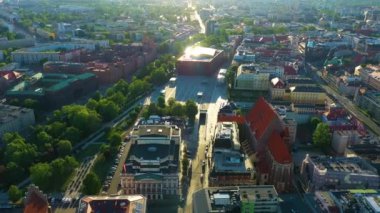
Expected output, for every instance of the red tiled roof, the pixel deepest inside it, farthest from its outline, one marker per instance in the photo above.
(263, 39)
(278, 149)
(235, 118)
(262, 167)
(10, 75)
(260, 117)
(36, 204)
(289, 70)
(282, 38)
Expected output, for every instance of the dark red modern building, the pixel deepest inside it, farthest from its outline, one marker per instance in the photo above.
(200, 61)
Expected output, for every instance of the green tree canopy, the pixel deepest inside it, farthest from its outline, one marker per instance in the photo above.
(18, 151)
(314, 121)
(72, 134)
(64, 147)
(114, 138)
(158, 76)
(40, 175)
(13, 173)
(91, 184)
(56, 129)
(191, 109)
(108, 109)
(14, 193)
(322, 135)
(177, 110)
(161, 101)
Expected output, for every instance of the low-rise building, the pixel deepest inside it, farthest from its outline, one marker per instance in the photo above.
(52, 89)
(326, 202)
(120, 203)
(229, 165)
(370, 75)
(54, 51)
(244, 199)
(369, 100)
(15, 119)
(324, 172)
(307, 95)
(297, 91)
(248, 78)
(63, 67)
(152, 165)
(343, 138)
(360, 200)
(200, 61)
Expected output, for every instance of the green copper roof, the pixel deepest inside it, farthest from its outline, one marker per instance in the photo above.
(149, 176)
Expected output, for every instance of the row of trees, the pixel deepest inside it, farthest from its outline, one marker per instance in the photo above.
(173, 108)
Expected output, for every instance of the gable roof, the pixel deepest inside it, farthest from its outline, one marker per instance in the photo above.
(278, 149)
(260, 117)
(36, 204)
(289, 70)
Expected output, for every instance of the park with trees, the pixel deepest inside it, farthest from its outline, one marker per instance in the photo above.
(50, 149)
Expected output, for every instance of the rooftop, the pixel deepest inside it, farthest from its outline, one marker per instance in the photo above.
(155, 130)
(300, 81)
(260, 117)
(373, 95)
(119, 204)
(232, 161)
(308, 89)
(227, 136)
(233, 199)
(197, 53)
(9, 113)
(35, 201)
(40, 83)
(278, 149)
(354, 165)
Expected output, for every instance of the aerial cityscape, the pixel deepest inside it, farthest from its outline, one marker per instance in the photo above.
(189, 106)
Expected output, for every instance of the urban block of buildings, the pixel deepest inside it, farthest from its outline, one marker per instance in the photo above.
(200, 61)
(15, 119)
(229, 165)
(248, 78)
(370, 75)
(55, 51)
(120, 203)
(324, 172)
(369, 100)
(53, 90)
(297, 91)
(245, 199)
(354, 200)
(152, 165)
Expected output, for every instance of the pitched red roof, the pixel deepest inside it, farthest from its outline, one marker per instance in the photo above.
(235, 118)
(260, 117)
(282, 38)
(289, 70)
(278, 149)
(262, 167)
(10, 75)
(36, 204)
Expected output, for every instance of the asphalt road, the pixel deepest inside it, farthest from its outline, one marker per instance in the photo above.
(213, 96)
